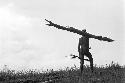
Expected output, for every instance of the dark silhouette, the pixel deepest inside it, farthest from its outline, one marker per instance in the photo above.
(83, 46)
(83, 49)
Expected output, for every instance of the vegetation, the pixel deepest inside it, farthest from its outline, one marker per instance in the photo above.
(113, 73)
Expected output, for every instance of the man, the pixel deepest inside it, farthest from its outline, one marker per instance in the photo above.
(83, 49)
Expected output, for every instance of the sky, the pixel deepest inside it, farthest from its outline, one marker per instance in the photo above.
(26, 42)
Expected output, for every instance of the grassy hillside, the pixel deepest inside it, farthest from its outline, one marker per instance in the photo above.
(113, 73)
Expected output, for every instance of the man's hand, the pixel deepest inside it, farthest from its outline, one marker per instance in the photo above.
(50, 23)
(73, 56)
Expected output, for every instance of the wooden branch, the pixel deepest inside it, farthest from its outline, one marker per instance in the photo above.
(74, 56)
(71, 29)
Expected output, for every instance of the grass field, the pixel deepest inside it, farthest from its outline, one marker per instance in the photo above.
(113, 73)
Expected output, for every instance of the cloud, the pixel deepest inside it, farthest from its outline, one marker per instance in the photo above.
(17, 37)
(21, 42)
(12, 27)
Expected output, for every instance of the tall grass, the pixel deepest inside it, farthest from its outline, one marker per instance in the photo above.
(113, 73)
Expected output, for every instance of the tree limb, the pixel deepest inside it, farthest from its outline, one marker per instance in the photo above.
(71, 29)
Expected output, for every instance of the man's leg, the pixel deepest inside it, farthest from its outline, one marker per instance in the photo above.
(91, 60)
(81, 62)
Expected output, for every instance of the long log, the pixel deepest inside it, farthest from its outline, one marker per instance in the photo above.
(71, 29)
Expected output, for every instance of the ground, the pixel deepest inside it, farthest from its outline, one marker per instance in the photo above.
(113, 73)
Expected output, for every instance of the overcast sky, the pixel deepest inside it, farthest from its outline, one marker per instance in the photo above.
(26, 42)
